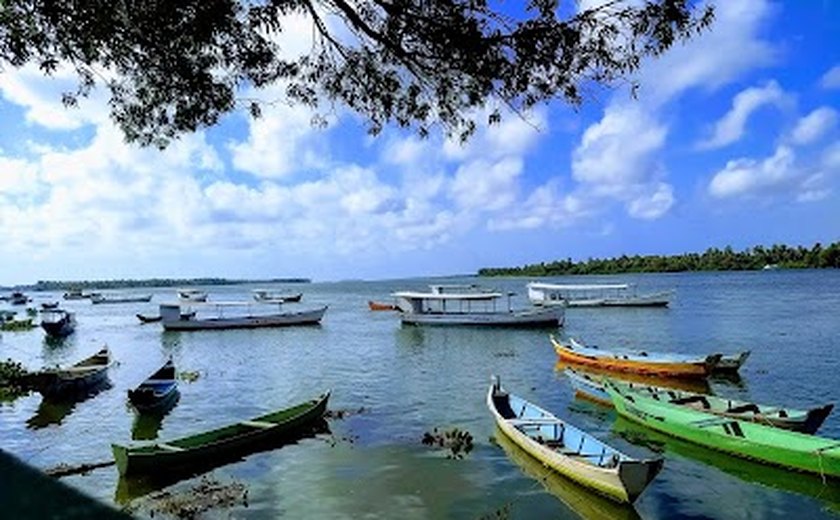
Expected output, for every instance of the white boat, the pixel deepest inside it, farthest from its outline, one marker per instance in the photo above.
(264, 295)
(568, 450)
(233, 315)
(192, 295)
(99, 298)
(473, 306)
(595, 295)
(58, 322)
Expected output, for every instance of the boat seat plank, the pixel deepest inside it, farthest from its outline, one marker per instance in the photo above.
(258, 424)
(169, 447)
(535, 420)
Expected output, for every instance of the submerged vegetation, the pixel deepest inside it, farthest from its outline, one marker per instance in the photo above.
(459, 442)
(713, 259)
(13, 380)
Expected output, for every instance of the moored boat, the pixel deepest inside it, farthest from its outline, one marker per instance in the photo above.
(595, 295)
(18, 298)
(148, 319)
(568, 450)
(760, 442)
(234, 315)
(75, 294)
(82, 376)
(805, 421)
(731, 363)
(266, 296)
(99, 298)
(657, 364)
(471, 307)
(58, 322)
(378, 306)
(192, 295)
(235, 439)
(156, 391)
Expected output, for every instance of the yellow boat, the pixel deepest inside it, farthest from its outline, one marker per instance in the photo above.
(654, 364)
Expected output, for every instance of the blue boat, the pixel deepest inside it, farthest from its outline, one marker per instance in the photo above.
(157, 392)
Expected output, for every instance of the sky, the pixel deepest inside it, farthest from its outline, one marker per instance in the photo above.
(732, 139)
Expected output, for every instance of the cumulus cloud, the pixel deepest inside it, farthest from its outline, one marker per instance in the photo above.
(814, 126)
(652, 202)
(831, 79)
(730, 128)
(746, 176)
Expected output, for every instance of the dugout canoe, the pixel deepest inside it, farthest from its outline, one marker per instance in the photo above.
(648, 363)
(592, 387)
(235, 439)
(568, 450)
(156, 391)
(766, 444)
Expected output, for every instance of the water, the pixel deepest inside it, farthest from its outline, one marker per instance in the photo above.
(403, 381)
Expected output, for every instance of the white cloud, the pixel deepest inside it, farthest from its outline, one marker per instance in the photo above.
(813, 126)
(653, 203)
(748, 176)
(730, 128)
(485, 186)
(831, 79)
(514, 135)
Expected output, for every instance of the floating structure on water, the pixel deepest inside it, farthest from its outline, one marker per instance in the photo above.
(266, 296)
(192, 295)
(568, 450)
(203, 448)
(73, 380)
(759, 442)
(595, 295)
(157, 391)
(234, 315)
(100, 298)
(58, 323)
(469, 305)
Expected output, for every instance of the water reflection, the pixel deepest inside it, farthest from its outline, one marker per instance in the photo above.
(134, 486)
(54, 410)
(147, 424)
(732, 379)
(771, 476)
(697, 386)
(585, 503)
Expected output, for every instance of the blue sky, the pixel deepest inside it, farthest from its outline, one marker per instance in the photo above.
(734, 139)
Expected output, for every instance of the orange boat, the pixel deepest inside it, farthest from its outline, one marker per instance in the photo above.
(655, 364)
(376, 306)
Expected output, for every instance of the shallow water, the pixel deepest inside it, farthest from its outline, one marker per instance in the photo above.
(400, 382)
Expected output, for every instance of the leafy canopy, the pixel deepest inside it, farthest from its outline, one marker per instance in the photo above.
(174, 66)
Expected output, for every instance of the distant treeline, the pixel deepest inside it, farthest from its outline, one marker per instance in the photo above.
(55, 285)
(713, 259)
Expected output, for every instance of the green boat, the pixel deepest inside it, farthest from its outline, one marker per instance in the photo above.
(236, 439)
(745, 439)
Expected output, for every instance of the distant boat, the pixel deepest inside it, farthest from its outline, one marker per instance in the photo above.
(595, 295)
(157, 391)
(265, 296)
(192, 295)
(203, 448)
(99, 298)
(770, 267)
(470, 306)
(58, 323)
(376, 306)
(49, 305)
(75, 294)
(751, 440)
(84, 375)
(147, 319)
(18, 298)
(650, 363)
(805, 421)
(233, 315)
(568, 450)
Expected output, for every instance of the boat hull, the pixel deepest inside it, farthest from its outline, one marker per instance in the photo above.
(664, 368)
(623, 482)
(234, 440)
(310, 317)
(61, 328)
(766, 444)
(543, 318)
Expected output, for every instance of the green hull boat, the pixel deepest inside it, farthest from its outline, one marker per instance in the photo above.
(236, 439)
(746, 439)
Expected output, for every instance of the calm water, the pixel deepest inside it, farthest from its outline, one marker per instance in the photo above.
(407, 381)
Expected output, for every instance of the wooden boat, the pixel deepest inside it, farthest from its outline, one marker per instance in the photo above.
(75, 294)
(84, 375)
(18, 298)
(58, 323)
(147, 319)
(569, 450)
(263, 295)
(657, 364)
(747, 439)
(595, 295)
(377, 306)
(157, 391)
(731, 363)
(200, 448)
(805, 421)
(239, 316)
(49, 305)
(192, 295)
(99, 298)
(470, 307)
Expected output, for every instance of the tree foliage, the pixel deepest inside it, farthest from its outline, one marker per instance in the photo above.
(174, 66)
(713, 259)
